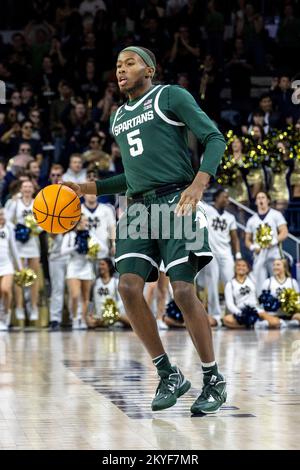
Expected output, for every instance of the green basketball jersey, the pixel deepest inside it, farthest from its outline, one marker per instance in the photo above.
(151, 132)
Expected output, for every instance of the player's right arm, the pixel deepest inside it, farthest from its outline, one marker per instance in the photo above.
(114, 185)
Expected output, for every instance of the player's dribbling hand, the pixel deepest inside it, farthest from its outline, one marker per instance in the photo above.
(188, 200)
(76, 187)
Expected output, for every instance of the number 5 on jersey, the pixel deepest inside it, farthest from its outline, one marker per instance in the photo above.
(135, 143)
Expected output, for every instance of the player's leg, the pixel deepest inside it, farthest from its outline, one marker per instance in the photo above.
(162, 292)
(131, 285)
(140, 316)
(213, 394)
(34, 264)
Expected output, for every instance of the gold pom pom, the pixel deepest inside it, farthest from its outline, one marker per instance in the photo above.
(25, 278)
(30, 222)
(264, 235)
(290, 301)
(93, 249)
(109, 311)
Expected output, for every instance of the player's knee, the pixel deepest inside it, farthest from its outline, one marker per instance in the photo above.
(182, 293)
(128, 289)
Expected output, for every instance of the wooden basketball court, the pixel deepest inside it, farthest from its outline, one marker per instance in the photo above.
(92, 390)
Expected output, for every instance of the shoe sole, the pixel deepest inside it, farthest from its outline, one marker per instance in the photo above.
(181, 391)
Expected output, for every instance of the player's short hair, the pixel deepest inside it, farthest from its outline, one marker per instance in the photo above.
(218, 192)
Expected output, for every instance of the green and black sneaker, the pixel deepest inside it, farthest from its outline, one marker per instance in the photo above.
(212, 397)
(169, 389)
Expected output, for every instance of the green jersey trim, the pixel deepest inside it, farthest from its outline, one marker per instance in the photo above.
(161, 114)
(135, 105)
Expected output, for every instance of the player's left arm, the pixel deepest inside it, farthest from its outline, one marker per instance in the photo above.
(184, 108)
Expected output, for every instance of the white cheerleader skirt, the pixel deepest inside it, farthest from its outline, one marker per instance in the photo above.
(81, 269)
(6, 269)
(30, 249)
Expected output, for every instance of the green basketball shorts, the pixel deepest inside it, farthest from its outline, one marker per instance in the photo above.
(150, 232)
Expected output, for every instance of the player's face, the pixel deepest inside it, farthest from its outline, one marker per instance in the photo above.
(278, 268)
(130, 72)
(241, 268)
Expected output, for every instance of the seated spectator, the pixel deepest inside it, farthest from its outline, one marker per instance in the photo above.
(23, 135)
(282, 97)
(56, 173)
(240, 293)
(106, 287)
(274, 285)
(75, 173)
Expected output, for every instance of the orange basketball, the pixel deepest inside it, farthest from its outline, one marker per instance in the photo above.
(57, 208)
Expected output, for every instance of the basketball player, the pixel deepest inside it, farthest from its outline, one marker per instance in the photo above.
(29, 251)
(102, 224)
(224, 241)
(264, 257)
(8, 254)
(151, 131)
(280, 280)
(106, 286)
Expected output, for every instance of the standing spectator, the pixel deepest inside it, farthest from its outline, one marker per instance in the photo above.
(264, 257)
(80, 272)
(75, 172)
(8, 254)
(184, 52)
(102, 224)
(27, 244)
(57, 272)
(224, 242)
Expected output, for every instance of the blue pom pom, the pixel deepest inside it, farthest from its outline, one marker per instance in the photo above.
(81, 241)
(268, 301)
(173, 312)
(247, 317)
(22, 233)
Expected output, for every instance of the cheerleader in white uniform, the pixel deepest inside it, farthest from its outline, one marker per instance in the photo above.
(80, 272)
(280, 280)
(106, 286)
(264, 257)
(239, 292)
(102, 224)
(29, 251)
(8, 254)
